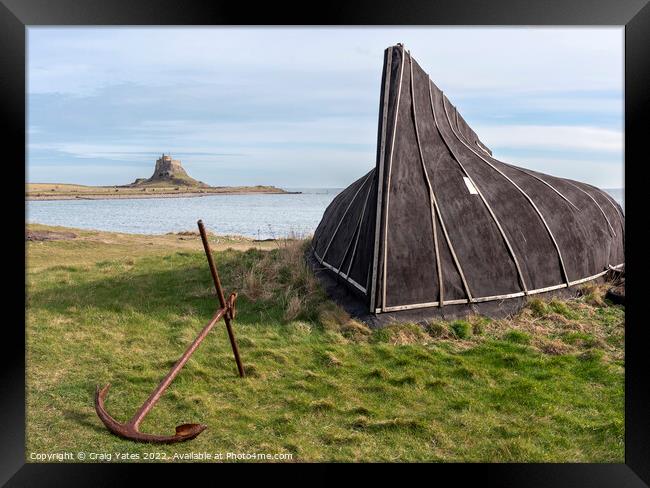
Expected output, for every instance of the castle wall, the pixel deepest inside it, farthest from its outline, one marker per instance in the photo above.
(166, 167)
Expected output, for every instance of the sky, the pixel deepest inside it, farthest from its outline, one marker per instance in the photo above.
(298, 107)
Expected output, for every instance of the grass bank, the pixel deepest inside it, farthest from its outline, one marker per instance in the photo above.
(545, 385)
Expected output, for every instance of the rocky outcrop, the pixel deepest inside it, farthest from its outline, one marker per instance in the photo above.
(168, 172)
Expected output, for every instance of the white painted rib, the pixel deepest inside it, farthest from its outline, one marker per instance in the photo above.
(442, 222)
(487, 206)
(498, 297)
(481, 147)
(583, 280)
(390, 166)
(530, 200)
(339, 198)
(540, 180)
(597, 205)
(426, 177)
(549, 288)
(515, 294)
(345, 213)
(347, 248)
(356, 241)
(397, 308)
(611, 201)
(332, 268)
(380, 176)
(354, 283)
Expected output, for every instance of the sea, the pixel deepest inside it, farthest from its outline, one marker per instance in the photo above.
(269, 216)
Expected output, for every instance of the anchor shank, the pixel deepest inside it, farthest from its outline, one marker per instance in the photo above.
(220, 295)
(213, 268)
(157, 393)
(233, 344)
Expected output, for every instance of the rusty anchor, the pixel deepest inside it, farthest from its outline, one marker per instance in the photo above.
(130, 430)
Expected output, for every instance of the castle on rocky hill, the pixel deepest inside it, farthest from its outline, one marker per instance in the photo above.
(166, 167)
(168, 171)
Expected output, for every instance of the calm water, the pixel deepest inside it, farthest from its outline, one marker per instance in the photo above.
(257, 216)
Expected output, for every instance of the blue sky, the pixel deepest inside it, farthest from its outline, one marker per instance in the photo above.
(298, 107)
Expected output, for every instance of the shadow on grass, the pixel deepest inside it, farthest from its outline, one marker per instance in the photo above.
(185, 287)
(88, 420)
(142, 294)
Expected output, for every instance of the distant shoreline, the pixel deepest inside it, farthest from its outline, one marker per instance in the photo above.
(151, 195)
(40, 191)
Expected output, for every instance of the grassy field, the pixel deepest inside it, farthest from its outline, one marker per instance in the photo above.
(545, 385)
(53, 191)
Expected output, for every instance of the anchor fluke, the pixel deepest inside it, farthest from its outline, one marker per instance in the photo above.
(129, 430)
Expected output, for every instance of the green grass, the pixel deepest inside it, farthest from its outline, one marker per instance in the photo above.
(546, 385)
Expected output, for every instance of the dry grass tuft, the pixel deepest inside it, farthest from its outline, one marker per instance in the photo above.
(552, 347)
(299, 328)
(337, 321)
(322, 405)
(438, 329)
(283, 276)
(401, 334)
(331, 360)
(293, 308)
(332, 317)
(593, 293)
(253, 285)
(356, 331)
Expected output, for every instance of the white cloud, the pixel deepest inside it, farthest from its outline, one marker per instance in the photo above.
(557, 137)
(603, 174)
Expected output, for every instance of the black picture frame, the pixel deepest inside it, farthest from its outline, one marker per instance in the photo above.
(17, 15)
